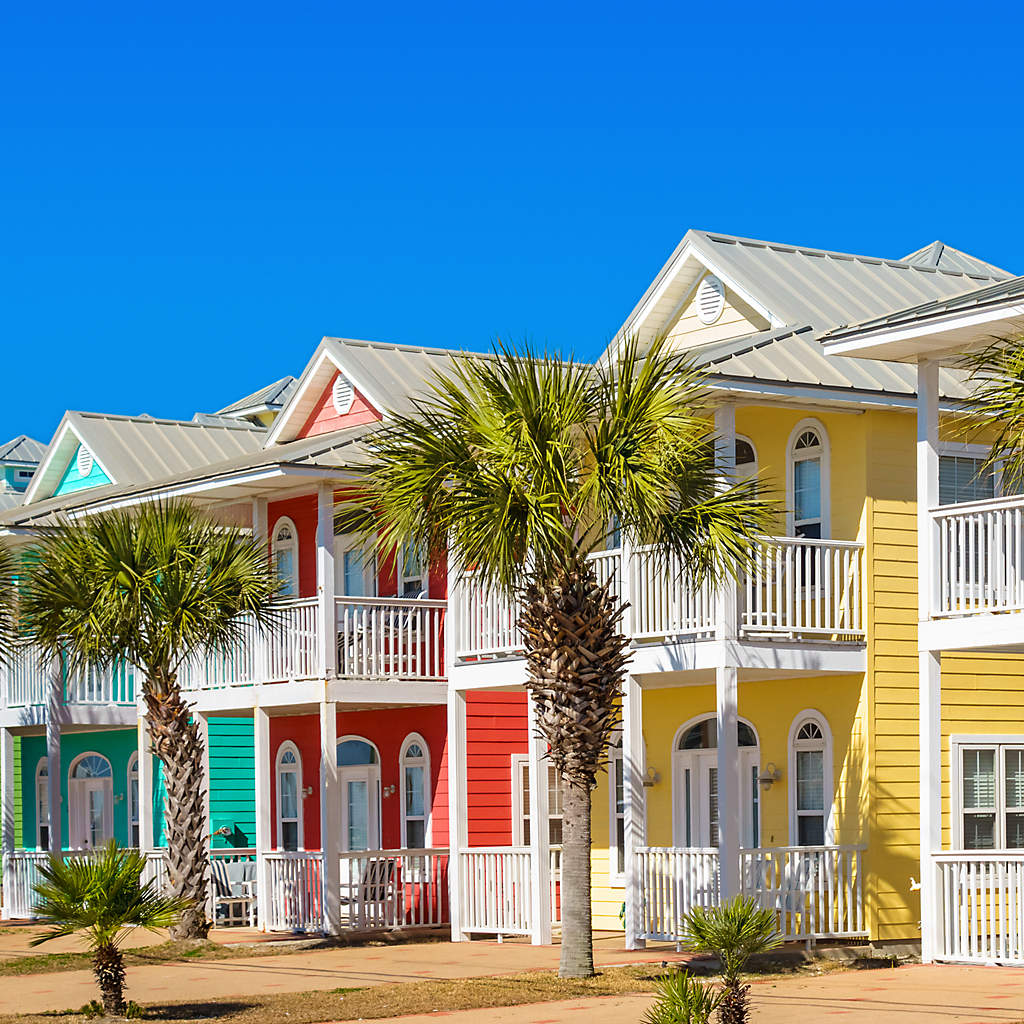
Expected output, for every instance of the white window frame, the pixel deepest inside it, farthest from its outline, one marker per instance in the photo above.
(289, 545)
(998, 742)
(825, 457)
(793, 745)
(973, 451)
(750, 469)
(42, 791)
(423, 576)
(75, 809)
(616, 878)
(134, 817)
(279, 768)
(521, 771)
(424, 763)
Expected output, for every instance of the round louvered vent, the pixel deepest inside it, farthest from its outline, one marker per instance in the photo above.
(84, 461)
(710, 300)
(342, 394)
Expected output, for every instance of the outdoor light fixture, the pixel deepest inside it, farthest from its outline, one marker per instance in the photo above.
(651, 778)
(770, 775)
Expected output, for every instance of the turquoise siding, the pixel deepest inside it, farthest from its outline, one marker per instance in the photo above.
(116, 745)
(12, 476)
(18, 798)
(232, 781)
(72, 480)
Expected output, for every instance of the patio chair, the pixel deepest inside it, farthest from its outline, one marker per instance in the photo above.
(372, 897)
(234, 892)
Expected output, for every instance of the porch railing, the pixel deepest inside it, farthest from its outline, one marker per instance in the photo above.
(816, 892)
(497, 887)
(394, 889)
(796, 589)
(981, 907)
(294, 899)
(390, 637)
(979, 554)
(26, 681)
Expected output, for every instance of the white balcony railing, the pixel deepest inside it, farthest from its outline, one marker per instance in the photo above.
(817, 892)
(797, 589)
(981, 907)
(978, 551)
(26, 682)
(390, 637)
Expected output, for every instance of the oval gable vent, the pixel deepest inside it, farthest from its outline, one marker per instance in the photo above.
(342, 394)
(84, 461)
(710, 299)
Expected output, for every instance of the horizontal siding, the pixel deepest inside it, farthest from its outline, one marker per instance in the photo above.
(232, 780)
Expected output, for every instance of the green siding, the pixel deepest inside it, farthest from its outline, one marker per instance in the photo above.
(232, 781)
(19, 789)
(116, 745)
(72, 480)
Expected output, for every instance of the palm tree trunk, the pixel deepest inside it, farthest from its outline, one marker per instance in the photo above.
(179, 745)
(108, 966)
(576, 959)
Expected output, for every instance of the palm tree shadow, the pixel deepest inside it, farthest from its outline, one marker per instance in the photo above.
(195, 1011)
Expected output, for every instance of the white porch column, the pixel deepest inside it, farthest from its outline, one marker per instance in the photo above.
(54, 714)
(540, 837)
(261, 652)
(146, 843)
(930, 662)
(635, 798)
(6, 811)
(726, 683)
(203, 724)
(259, 519)
(262, 769)
(458, 830)
(330, 816)
(328, 650)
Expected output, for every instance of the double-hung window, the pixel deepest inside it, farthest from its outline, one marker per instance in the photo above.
(964, 475)
(990, 789)
(523, 818)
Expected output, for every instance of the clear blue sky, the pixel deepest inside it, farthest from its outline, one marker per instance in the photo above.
(190, 199)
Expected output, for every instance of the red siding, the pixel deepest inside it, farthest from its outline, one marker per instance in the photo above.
(324, 418)
(386, 728)
(495, 730)
(302, 512)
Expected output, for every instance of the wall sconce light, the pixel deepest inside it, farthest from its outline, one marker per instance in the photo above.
(769, 775)
(224, 830)
(389, 790)
(651, 778)
(307, 790)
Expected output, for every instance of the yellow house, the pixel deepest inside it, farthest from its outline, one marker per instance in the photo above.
(770, 732)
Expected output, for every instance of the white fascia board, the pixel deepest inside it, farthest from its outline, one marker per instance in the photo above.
(871, 343)
(746, 296)
(1002, 632)
(809, 393)
(59, 447)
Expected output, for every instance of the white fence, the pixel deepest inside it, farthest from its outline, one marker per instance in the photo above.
(804, 588)
(497, 887)
(981, 907)
(26, 681)
(663, 601)
(816, 892)
(394, 889)
(294, 897)
(979, 548)
(397, 638)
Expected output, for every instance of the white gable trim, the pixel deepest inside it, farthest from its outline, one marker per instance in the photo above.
(57, 459)
(317, 375)
(636, 320)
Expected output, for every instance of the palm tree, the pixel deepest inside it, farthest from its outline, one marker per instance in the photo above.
(733, 932)
(154, 588)
(102, 895)
(521, 463)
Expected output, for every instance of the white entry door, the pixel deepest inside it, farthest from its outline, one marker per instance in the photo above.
(360, 808)
(92, 813)
(696, 786)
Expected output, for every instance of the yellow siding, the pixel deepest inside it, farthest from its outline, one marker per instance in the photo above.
(737, 321)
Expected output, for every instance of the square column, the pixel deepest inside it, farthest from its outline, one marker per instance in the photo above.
(262, 769)
(930, 663)
(635, 798)
(330, 816)
(146, 844)
(328, 626)
(6, 811)
(726, 599)
(726, 680)
(540, 838)
(458, 831)
(54, 713)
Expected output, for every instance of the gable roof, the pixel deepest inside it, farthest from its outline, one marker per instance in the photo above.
(938, 254)
(132, 449)
(267, 399)
(389, 376)
(22, 449)
(803, 293)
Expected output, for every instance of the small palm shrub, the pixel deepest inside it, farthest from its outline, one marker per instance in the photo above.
(682, 999)
(734, 932)
(102, 895)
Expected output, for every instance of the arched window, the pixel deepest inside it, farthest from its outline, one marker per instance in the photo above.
(415, 776)
(43, 804)
(285, 547)
(746, 459)
(133, 801)
(810, 780)
(807, 480)
(289, 797)
(91, 798)
(353, 751)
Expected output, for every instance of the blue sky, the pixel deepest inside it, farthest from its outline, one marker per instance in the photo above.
(191, 198)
